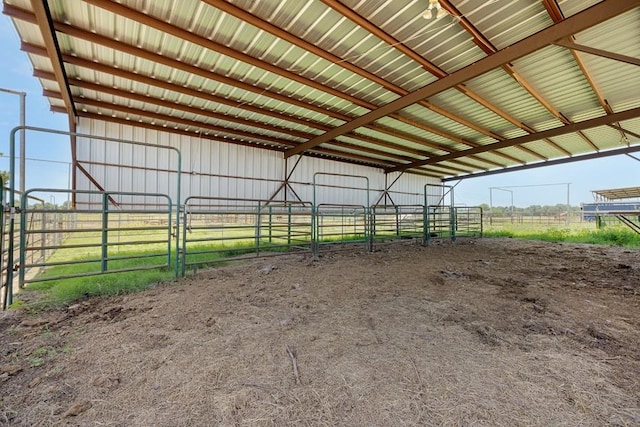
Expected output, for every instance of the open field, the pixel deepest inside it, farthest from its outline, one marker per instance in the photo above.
(482, 332)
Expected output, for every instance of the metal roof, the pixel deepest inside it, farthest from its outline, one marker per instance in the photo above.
(618, 193)
(488, 86)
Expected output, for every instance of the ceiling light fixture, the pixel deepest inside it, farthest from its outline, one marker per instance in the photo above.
(440, 12)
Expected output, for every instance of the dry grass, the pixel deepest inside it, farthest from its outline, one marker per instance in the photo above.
(487, 332)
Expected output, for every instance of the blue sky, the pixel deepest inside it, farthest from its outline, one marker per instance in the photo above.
(17, 75)
(609, 172)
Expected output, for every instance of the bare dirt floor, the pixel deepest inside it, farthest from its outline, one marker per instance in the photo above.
(481, 332)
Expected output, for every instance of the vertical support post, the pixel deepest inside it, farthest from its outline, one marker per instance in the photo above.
(43, 239)
(258, 228)
(453, 219)
(183, 254)
(104, 235)
(288, 224)
(169, 207)
(426, 236)
(22, 243)
(3, 284)
(177, 262)
(270, 224)
(23, 184)
(513, 210)
(314, 233)
(397, 221)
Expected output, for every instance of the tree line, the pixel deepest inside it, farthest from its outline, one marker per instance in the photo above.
(533, 210)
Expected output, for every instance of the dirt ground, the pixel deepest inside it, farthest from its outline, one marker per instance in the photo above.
(481, 332)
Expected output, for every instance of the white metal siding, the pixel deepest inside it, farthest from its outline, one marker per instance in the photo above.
(219, 169)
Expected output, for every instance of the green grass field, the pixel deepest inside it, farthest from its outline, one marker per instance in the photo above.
(213, 248)
(575, 233)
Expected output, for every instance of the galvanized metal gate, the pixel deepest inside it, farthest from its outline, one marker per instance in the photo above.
(45, 244)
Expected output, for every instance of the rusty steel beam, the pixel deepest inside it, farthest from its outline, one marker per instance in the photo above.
(192, 37)
(241, 14)
(258, 138)
(170, 62)
(485, 44)
(324, 153)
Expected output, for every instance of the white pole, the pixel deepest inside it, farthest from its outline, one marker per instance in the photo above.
(23, 103)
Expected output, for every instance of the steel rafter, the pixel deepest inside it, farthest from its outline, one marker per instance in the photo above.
(485, 44)
(562, 130)
(578, 22)
(436, 71)
(554, 11)
(42, 18)
(83, 62)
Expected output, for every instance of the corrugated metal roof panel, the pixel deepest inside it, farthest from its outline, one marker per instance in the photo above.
(424, 115)
(392, 151)
(233, 31)
(571, 7)
(614, 78)
(552, 71)
(394, 139)
(362, 47)
(505, 92)
(555, 74)
(464, 106)
(197, 103)
(573, 143)
(605, 137)
(545, 149)
(428, 137)
(439, 40)
(505, 23)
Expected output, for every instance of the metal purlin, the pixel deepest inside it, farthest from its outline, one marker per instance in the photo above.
(12, 174)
